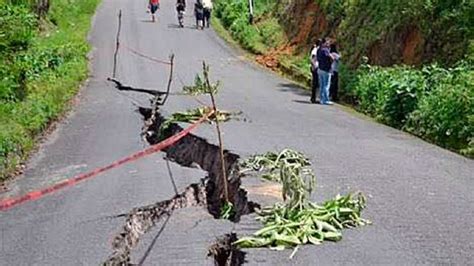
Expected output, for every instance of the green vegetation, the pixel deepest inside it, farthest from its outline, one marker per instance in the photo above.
(434, 101)
(290, 168)
(298, 221)
(257, 38)
(43, 61)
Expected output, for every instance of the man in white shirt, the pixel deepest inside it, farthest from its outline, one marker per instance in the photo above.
(314, 71)
(207, 11)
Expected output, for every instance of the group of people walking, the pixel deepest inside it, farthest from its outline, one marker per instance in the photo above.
(202, 11)
(324, 69)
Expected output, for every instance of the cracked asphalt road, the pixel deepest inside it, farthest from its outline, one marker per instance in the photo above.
(420, 197)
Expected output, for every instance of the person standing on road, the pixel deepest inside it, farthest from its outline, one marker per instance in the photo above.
(207, 12)
(334, 73)
(180, 5)
(154, 6)
(314, 71)
(180, 9)
(199, 13)
(325, 59)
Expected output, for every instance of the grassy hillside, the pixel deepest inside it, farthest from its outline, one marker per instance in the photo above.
(409, 64)
(43, 61)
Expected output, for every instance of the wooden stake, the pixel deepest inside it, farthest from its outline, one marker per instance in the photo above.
(117, 43)
(221, 145)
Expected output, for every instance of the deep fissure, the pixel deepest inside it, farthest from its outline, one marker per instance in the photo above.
(192, 150)
(187, 152)
(140, 220)
(226, 254)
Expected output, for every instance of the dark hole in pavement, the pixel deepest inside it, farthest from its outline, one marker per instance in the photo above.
(226, 254)
(192, 150)
(188, 151)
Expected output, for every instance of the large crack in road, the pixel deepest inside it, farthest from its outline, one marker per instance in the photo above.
(187, 152)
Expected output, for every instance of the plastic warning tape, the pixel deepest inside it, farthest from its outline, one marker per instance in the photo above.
(34, 195)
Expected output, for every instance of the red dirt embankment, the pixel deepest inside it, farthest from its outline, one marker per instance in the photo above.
(305, 21)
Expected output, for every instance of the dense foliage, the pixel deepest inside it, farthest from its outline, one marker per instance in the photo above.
(434, 103)
(42, 62)
(257, 38)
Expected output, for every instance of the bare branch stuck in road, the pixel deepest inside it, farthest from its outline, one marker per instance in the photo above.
(219, 135)
(117, 43)
(156, 101)
(170, 80)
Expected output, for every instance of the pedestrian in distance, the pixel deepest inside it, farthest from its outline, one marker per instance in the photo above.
(180, 9)
(154, 6)
(334, 73)
(199, 13)
(314, 71)
(325, 59)
(207, 12)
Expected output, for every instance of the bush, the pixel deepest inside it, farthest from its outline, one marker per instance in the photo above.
(434, 103)
(234, 16)
(39, 73)
(445, 115)
(389, 94)
(271, 32)
(17, 27)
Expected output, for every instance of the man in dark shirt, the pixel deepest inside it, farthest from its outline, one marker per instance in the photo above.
(199, 13)
(324, 70)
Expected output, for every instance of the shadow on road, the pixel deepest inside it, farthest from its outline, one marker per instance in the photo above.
(303, 102)
(294, 88)
(176, 26)
(148, 21)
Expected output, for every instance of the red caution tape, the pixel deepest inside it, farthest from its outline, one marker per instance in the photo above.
(34, 195)
(146, 56)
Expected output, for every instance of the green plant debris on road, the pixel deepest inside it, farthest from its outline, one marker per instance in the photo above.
(298, 221)
(285, 227)
(193, 115)
(271, 162)
(291, 169)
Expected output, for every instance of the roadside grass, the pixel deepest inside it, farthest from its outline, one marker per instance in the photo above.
(63, 41)
(223, 33)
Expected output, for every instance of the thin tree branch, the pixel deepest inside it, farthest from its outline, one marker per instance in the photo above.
(221, 145)
(117, 43)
